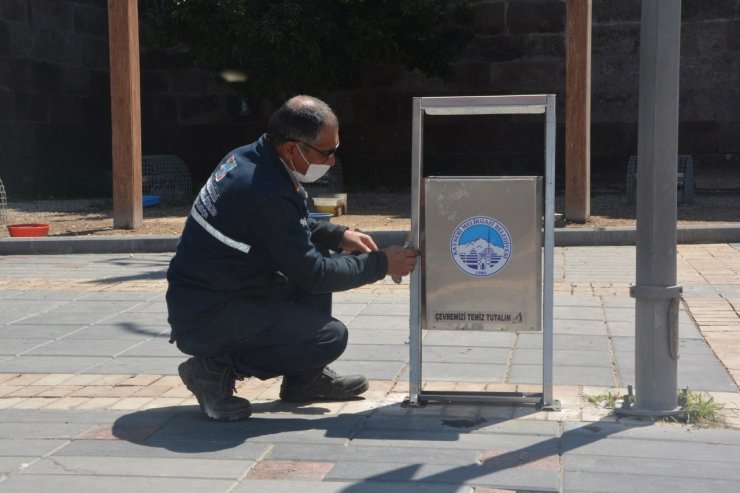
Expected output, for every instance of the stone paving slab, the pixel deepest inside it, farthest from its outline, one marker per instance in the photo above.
(391, 337)
(562, 342)
(652, 449)
(564, 357)
(462, 372)
(366, 486)
(659, 466)
(180, 467)
(467, 338)
(12, 464)
(510, 478)
(151, 349)
(376, 352)
(373, 453)
(598, 482)
(270, 429)
(27, 447)
(11, 347)
(379, 322)
(118, 331)
(39, 430)
(162, 449)
(51, 364)
(458, 418)
(27, 483)
(461, 441)
(578, 313)
(131, 365)
(643, 430)
(373, 370)
(577, 327)
(480, 356)
(37, 332)
(602, 375)
(64, 347)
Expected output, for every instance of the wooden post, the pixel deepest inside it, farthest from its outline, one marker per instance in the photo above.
(123, 28)
(578, 111)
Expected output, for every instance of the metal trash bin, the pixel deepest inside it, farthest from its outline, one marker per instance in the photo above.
(474, 252)
(483, 236)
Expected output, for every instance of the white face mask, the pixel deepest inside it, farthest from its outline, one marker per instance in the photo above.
(313, 173)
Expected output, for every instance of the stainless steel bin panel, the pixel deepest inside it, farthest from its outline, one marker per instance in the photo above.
(482, 247)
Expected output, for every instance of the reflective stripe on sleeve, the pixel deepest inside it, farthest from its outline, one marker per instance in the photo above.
(238, 245)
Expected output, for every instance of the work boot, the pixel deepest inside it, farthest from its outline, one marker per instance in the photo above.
(321, 385)
(213, 384)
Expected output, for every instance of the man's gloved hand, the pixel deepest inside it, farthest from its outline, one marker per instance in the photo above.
(401, 261)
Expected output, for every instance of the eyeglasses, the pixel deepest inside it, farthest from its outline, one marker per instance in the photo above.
(327, 154)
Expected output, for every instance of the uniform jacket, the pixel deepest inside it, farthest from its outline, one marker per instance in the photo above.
(249, 235)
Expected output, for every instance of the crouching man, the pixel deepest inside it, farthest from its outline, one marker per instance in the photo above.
(250, 284)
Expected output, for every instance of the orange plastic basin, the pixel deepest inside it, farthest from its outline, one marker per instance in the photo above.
(25, 230)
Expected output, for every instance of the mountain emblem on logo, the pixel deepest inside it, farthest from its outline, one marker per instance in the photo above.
(480, 246)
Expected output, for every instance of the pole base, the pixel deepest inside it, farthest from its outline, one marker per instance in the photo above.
(629, 407)
(553, 406)
(646, 413)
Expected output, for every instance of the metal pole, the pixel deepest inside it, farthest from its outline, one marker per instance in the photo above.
(656, 293)
(548, 402)
(415, 279)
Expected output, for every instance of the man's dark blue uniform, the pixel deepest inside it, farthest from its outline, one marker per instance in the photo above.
(253, 276)
(250, 284)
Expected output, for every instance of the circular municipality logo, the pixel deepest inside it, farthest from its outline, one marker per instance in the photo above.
(480, 246)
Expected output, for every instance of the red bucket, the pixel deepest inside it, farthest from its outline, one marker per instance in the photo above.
(26, 230)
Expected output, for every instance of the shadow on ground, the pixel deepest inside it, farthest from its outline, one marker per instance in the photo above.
(185, 430)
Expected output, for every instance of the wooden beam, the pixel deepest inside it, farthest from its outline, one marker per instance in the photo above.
(123, 28)
(578, 111)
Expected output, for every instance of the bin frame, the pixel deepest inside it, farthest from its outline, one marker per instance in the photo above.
(483, 105)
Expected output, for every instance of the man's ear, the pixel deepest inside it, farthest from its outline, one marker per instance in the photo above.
(286, 150)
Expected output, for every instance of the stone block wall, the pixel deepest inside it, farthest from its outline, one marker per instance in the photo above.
(55, 129)
(55, 102)
(54, 96)
(519, 49)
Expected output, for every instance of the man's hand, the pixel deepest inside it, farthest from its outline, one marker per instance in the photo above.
(401, 261)
(357, 242)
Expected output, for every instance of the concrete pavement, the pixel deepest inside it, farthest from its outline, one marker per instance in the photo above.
(89, 397)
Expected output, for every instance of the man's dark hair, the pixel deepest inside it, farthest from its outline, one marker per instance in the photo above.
(300, 118)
